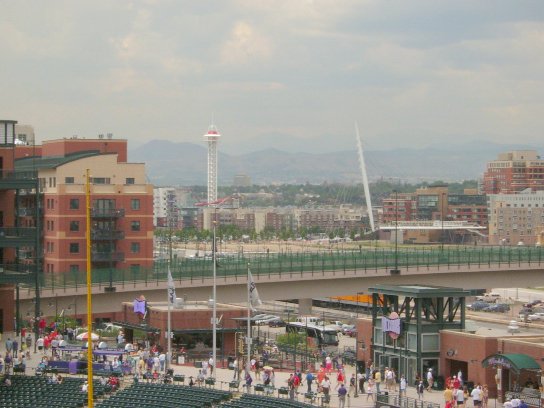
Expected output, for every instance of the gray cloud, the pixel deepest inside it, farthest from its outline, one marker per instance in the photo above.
(292, 74)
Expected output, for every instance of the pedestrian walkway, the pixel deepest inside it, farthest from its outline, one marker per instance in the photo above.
(225, 376)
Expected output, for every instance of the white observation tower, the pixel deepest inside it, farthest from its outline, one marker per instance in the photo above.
(212, 137)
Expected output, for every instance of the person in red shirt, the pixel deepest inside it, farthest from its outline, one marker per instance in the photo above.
(339, 378)
(456, 383)
(41, 325)
(296, 381)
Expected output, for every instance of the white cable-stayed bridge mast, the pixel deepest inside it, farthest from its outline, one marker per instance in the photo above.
(365, 178)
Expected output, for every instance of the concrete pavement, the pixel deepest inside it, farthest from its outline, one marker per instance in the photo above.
(224, 376)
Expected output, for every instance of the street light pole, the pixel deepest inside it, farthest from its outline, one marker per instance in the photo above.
(214, 296)
(442, 222)
(396, 271)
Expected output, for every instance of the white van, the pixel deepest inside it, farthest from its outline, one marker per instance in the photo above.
(309, 320)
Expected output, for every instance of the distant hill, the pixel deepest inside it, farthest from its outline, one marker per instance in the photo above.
(170, 163)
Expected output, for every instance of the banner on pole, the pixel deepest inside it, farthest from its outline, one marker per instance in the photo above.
(171, 289)
(254, 300)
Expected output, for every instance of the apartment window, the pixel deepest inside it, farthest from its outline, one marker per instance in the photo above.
(135, 247)
(74, 248)
(74, 268)
(74, 226)
(74, 203)
(135, 226)
(69, 180)
(135, 204)
(101, 180)
(130, 180)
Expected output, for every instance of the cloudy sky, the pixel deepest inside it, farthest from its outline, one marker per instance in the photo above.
(295, 74)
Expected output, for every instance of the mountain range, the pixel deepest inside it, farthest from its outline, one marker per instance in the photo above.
(169, 163)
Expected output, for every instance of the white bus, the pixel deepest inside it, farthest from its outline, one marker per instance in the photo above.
(324, 337)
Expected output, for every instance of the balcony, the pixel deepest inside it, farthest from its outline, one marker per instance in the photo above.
(107, 235)
(107, 212)
(16, 273)
(10, 180)
(16, 237)
(107, 256)
(28, 212)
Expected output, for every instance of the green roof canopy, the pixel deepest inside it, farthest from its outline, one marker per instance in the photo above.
(516, 362)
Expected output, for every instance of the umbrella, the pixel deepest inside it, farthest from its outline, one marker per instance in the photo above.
(268, 368)
(83, 336)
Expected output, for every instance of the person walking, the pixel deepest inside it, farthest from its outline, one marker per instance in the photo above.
(352, 385)
(15, 347)
(430, 379)
(377, 380)
(361, 378)
(420, 388)
(291, 386)
(235, 369)
(342, 396)
(402, 386)
(476, 395)
(459, 396)
(309, 380)
(370, 389)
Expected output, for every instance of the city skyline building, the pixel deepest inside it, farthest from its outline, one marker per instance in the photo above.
(513, 172)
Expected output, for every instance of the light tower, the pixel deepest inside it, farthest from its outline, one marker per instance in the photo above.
(212, 137)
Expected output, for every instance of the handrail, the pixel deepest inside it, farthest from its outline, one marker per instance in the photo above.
(289, 264)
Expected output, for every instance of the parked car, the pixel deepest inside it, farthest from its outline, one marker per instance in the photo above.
(347, 328)
(532, 303)
(337, 324)
(497, 308)
(536, 317)
(478, 305)
(276, 323)
(264, 318)
(489, 297)
(350, 332)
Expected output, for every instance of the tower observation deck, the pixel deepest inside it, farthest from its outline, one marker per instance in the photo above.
(212, 137)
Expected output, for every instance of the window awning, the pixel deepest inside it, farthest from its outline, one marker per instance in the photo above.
(516, 362)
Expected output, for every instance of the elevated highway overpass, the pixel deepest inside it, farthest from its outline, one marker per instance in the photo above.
(302, 275)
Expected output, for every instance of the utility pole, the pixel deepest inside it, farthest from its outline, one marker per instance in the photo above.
(396, 270)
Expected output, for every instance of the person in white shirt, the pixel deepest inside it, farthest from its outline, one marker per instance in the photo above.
(402, 390)
(430, 380)
(85, 387)
(476, 395)
(162, 361)
(210, 364)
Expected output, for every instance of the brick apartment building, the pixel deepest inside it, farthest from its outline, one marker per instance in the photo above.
(277, 219)
(43, 207)
(434, 203)
(513, 172)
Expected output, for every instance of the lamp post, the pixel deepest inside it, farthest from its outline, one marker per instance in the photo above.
(396, 270)
(442, 221)
(214, 296)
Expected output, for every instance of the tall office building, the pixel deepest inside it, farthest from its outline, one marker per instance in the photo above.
(513, 172)
(212, 137)
(516, 218)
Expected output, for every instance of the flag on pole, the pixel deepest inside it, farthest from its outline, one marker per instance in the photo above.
(171, 288)
(254, 300)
